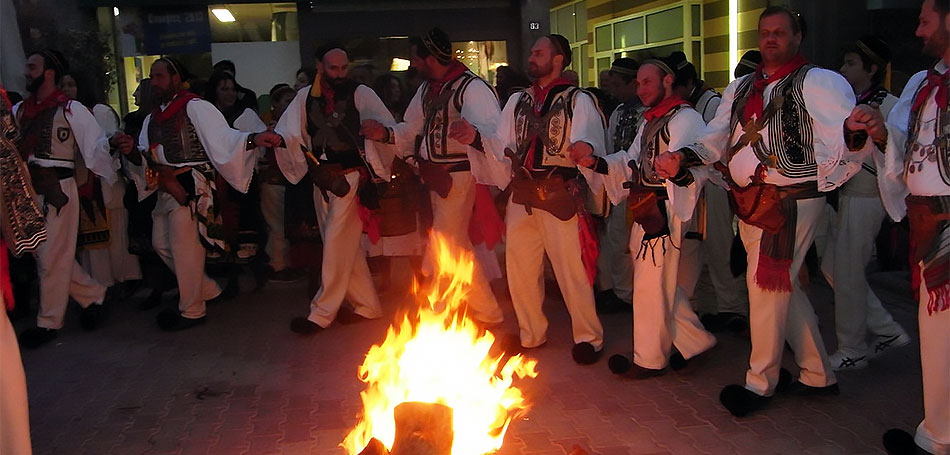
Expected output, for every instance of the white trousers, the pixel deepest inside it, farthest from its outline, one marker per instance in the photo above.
(614, 266)
(933, 433)
(850, 244)
(272, 207)
(450, 217)
(714, 251)
(529, 237)
(777, 317)
(175, 239)
(345, 274)
(662, 315)
(61, 277)
(14, 408)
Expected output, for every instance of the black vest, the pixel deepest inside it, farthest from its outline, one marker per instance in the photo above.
(337, 133)
(179, 139)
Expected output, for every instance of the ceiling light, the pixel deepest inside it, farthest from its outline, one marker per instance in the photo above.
(115, 10)
(223, 14)
(399, 64)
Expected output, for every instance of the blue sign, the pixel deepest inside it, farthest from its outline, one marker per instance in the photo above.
(177, 31)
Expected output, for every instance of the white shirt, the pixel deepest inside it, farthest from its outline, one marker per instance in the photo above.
(894, 184)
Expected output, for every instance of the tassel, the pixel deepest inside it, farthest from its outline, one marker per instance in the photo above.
(773, 274)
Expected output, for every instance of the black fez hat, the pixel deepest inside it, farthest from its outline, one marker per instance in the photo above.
(748, 63)
(625, 65)
(438, 44)
(55, 60)
(561, 46)
(875, 49)
(322, 50)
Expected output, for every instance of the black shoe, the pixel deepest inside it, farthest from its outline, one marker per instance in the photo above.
(741, 401)
(172, 321)
(347, 315)
(787, 384)
(91, 317)
(153, 300)
(607, 302)
(286, 276)
(619, 364)
(35, 337)
(677, 361)
(900, 442)
(725, 321)
(304, 326)
(584, 353)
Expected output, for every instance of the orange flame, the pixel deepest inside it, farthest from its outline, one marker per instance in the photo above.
(438, 356)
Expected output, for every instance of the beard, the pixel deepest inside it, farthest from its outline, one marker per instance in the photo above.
(935, 45)
(33, 85)
(160, 96)
(335, 82)
(539, 71)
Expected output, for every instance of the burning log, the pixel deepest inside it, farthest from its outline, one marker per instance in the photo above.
(421, 429)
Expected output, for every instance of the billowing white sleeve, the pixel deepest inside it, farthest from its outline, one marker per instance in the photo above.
(249, 122)
(406, 131)
(106, 118)
(829, 100)
(618, 171)
(712, 143)
(378, 155)
(503, 137)
(226, 147)
(292, 126)
(480, 108)
(136, 173)
(93, 143)
(712, 107)
(890, 163)
(684, 127)
(587, 125)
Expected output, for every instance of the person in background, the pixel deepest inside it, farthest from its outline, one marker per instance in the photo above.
(390, 89)
(747, 64)
(858, 219)
(246, 98)
(109, 263)
(509, 81)
(243, 223)
(304, 77)
(274, 194)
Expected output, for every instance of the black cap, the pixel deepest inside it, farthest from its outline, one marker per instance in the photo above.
(438, 44)
(561, 47)
(625, 65)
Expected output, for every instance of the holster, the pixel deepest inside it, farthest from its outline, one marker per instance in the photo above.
(643, 204)
(759, 205)
(548, 193)
(436, 177)
(46, 183)
(175, 181)
(329, 177)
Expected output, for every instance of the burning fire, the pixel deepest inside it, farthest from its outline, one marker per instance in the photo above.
(437, 355)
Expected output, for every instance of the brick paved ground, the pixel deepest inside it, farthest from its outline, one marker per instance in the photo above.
(244, 384)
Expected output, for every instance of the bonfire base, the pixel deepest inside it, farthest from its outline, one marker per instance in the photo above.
(421, 429)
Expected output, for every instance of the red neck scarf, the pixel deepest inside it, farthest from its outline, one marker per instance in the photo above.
(329, 95)
(663, 107)
(938, 81)
(455, 70)
(541, 93)
(179, 101)
(756, 101)
(31, 107)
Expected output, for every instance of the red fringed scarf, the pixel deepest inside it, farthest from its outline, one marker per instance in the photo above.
(935, 80)
(29, 110)
(929, 218)
(486, 225)
(663, 107)
(756, 101)
(179, 101)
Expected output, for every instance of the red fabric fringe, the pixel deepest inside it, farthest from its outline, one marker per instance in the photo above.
(937, 282)
(486, 225)
(773, 274)
(371, 222)
(589, 246)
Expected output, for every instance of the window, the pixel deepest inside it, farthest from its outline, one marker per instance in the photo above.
(571, 22)
(649, 33)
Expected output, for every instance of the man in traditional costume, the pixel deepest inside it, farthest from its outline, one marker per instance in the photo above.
(539, 128)
(914, 179)
(54, 132)
(665, 328)
(614, 266)
(858, 217)
(184, 143)
(782, 131)
(449, 154)
(321, 136)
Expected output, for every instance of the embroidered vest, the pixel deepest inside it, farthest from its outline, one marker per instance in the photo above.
(789, 145)
(338, 133)
(939, 151)
(54, 138)
(549, 130)
(440, 111)
(179, 139)
(655, 140)
(628, 119)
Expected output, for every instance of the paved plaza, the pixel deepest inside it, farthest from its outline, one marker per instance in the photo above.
(245, 384)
